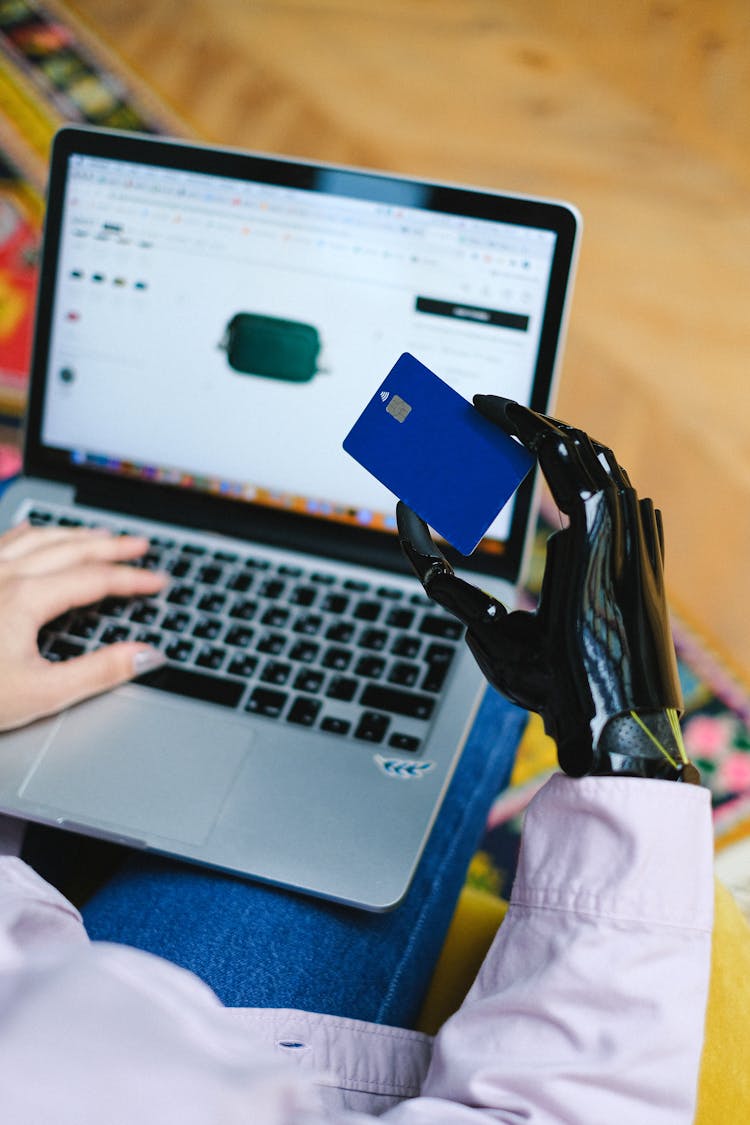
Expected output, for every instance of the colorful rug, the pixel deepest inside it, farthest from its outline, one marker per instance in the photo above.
(53, 70)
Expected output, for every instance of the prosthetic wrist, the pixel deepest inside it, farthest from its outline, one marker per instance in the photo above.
(648, 745)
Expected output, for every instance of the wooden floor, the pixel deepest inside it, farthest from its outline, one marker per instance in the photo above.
(637, 112)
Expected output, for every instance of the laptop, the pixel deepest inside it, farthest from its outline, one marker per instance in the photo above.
(210, 323)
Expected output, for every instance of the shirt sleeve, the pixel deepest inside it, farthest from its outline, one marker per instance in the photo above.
(591, 1004)
(91, 1032)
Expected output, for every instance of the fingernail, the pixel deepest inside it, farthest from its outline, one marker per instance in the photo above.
(147, 659)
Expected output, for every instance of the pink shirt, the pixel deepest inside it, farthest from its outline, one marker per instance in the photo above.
(589, 1008)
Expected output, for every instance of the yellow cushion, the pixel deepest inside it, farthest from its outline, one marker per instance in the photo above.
(724, 1088)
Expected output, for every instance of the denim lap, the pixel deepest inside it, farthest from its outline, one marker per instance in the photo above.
(263, 946)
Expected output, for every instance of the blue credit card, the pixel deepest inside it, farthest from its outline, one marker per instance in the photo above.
(437, 453)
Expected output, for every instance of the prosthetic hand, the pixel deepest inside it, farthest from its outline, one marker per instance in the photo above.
(596, 659)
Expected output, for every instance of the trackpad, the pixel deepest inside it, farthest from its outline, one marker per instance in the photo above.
(149, 767)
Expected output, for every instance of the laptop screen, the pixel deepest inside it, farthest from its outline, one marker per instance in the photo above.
(220, 333)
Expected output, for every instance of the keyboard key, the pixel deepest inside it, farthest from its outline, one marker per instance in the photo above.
(242, 665)
(225, 556)
(289, 571)
(114, 633)
(404, 674)
(266, 701)
(304, 651)
(84, 625)
(193, 549)
(304, 711)
(179, 567)
(439, 659)
(277, 617)
(334, 603)
(406, 742)
(197, 685)
(398, 702)
(239, 636)
(272, 644)
(272, 588)
(308, 623)
(372, 727)
(180, 650)
(400, 618)
(371, 667)
(341, 631)
(309, 679)
(152, 560)
(243, 609)
(176, 622)
(211, 656)
(356, 585)
(113, 607)
(303, 595)
(446, 627)
(422, 600)
(322, 579)
(181, 595)
(375, 639)
(210, 575)
(61, 649)
(337, 658)
(150, 637)
(367, 611)
(212, 603)
(332, 724)
(276, 672)
(240, 582)
(406, 644)
(208, 628)
(389, 592)
(342, 688)
(144, 613)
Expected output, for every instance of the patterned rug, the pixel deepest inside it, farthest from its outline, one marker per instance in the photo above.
(53, 70)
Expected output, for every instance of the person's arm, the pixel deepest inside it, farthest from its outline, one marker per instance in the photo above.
(591, 1006)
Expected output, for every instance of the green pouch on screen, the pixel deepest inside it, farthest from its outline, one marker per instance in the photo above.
(270, 346)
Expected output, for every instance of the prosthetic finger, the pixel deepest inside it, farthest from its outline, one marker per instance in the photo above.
(466, 602)
(565, 455)
(508, 647)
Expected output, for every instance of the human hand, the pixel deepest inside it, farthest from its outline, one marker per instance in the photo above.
(43, 573)
(596, 659)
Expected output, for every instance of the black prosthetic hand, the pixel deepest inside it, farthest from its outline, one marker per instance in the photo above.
(596, 659)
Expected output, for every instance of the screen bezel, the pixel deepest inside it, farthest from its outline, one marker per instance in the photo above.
(241, 518)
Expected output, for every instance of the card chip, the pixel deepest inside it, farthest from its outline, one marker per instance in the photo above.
(399, 408)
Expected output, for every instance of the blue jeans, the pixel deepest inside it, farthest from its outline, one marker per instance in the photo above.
(261, 946)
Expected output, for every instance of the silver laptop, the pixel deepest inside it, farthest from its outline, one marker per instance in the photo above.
(210, 324)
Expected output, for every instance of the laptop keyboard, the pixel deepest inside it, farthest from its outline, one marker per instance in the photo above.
(346, 657)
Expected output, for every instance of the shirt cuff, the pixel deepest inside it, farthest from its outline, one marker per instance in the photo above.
(619, 847)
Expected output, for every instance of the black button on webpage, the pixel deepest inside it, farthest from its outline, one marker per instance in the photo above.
(497, 318)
